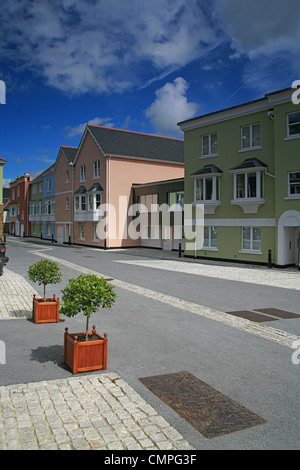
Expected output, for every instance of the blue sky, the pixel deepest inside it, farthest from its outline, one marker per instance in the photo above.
(133, 64)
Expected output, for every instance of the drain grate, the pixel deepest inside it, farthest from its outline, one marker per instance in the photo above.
(277, 312)
(248, 315)
(205, 408)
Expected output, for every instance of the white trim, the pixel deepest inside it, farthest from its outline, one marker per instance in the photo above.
(253, 222)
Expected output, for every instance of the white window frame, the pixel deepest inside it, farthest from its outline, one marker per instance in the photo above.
(250, 250)
(290, 194)
(82, 173)
(210, 153)
(210, 247)
(259, 186)
(251, 146)
(292, 136)
(82, 231)
(215, 188)
(96, 169)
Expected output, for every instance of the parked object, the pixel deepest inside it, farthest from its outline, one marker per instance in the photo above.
(86, 351)
(45, 310)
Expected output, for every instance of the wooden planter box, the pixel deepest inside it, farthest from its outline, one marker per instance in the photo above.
(82, 356)
(45, 311)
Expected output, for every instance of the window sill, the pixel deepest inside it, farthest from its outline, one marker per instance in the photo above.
(292, 137)
(290, 198)
(248, 149)
(209, 248)
(211, 155)
(251, 252)
(249, 206)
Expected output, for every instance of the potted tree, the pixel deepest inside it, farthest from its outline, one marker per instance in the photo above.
(45, 310)
(87, 350)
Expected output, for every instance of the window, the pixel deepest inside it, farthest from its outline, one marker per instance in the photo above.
(98, 201)
(97, 169)
(67, 176)
(18, 191)
(248, 185)
(41, 187)
(209, 145)
(67, 203)
(34, 189)
(82, 173)
(207, 188)
(150, 201)
(82, 205)
(251, 239)
(294, 183)
(76, 203)
(210, 237)
(82, 232)
(13, 194)
(49, 184)
(250, 136)
(293, 124)
(96, 238)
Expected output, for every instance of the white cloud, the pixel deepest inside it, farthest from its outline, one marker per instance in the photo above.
(170, 107)
(78, 130)
(97, 45)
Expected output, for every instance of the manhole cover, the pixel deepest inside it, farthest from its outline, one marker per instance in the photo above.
(248, 315)
(277, 312)
(205, 408)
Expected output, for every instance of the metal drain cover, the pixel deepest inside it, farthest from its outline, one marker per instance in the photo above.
(205, 408)
(277, 312)
(248, 315)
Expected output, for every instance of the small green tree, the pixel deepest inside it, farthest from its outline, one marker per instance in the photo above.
(86, 294)
(44, 272)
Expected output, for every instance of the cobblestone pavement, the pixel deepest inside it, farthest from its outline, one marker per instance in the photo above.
(79, 413)
(88, 412)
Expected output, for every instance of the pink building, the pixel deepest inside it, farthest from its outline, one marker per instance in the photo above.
(100, 177)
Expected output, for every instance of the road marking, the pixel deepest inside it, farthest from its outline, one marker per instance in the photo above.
(266, 332)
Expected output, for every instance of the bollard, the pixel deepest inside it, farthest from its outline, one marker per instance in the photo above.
(269, 259)
(179, 253)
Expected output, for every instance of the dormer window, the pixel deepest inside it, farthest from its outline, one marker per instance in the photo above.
(248, 185)
(207, 187)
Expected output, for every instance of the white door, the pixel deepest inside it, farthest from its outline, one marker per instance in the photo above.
(60, 234)
(67, 233)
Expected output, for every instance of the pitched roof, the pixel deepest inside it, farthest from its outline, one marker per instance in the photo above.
(249, 163)
(117, 142)
(207, 169)
(69, 152)
(47, 172)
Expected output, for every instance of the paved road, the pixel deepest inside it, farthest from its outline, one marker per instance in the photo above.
(169, 317)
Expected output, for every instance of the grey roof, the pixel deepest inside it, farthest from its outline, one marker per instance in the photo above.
(47, 172)
(95, 187)
(249, 163)
(135, 144)
(207, 169)
(80, 190)
(69, 152)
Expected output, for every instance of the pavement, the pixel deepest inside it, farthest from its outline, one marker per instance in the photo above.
(101, 410)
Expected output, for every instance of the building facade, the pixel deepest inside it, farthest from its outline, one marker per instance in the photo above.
(2, 163)
(242, 164)
(107, 162)
(42, 205)
(160, 213)
(18, 208)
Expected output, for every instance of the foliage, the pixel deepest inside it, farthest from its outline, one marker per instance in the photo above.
(87, 293)
(44, 272)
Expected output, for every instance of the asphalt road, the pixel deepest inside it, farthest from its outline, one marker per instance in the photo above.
(148, 337)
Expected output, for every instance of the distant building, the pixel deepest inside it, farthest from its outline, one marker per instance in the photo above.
(2, 163)
(42, 205)
(18, 208)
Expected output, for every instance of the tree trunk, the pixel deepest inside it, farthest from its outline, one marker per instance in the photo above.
(87, 328)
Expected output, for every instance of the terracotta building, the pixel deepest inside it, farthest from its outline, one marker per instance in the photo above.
(18, 213)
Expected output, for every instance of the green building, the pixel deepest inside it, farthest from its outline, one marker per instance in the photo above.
(243, 164)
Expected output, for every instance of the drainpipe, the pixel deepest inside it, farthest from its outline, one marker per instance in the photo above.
(72, 203)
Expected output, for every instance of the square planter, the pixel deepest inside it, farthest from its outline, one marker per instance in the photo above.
(82, 356)
(45, 311)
